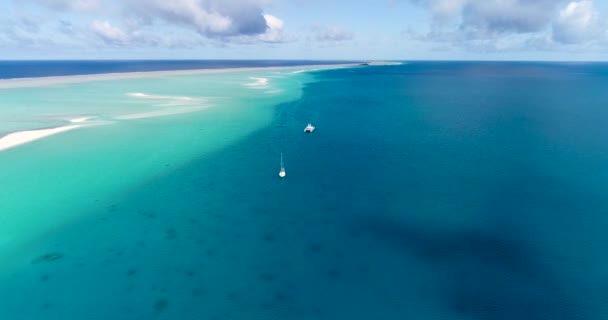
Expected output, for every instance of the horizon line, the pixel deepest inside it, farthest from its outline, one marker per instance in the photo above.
(311, 60)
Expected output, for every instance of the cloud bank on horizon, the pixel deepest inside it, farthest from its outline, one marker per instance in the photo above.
(529, 23)
(313, 28)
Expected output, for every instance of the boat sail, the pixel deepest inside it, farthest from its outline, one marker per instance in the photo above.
(282, 172)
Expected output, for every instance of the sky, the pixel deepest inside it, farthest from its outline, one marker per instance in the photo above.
(563, 30)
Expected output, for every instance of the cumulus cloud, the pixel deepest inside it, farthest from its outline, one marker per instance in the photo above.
(578, 22)
(486, 18)
(210, 18)
(220, 21)
(508, 16)
(274, 32)
(495, 25)
(332, 34)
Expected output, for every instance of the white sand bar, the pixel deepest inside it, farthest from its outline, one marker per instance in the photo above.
(151, 96)
(23, 137)
(49, 81)
(258, 82)
(80, 120)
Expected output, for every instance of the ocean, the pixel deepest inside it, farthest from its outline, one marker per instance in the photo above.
(429, 190)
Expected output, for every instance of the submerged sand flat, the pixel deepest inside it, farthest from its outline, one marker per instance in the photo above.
(168, 104)
(138, 126)
(160, 113)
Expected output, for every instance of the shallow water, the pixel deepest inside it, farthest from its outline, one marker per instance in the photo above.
(428, 191)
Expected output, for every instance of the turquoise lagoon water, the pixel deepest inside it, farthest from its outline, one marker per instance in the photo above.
(428, 191)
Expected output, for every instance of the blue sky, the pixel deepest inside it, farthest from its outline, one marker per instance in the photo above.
(304, 29)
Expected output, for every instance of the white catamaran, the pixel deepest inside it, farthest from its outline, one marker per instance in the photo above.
(282, 172)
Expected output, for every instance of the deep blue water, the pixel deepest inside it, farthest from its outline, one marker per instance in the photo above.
(428, 191)
(32, 69)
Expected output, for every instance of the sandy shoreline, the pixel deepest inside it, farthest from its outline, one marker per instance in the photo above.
(48, 81)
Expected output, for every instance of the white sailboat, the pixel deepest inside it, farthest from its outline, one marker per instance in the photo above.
(282, 172)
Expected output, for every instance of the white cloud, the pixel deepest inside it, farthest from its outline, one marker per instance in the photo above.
(275, 32)
(511, 25)
(222, 21)
(578, 22)
(508, 16)
(109, 33)
(210, 18)
(273, 22)
(183, 12)
(484, 19)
